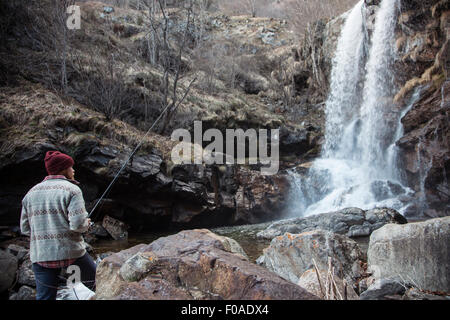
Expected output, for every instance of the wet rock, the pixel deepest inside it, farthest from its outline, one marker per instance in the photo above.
(8, 267)
(416, 253)
(310, 281)
(193, 264)
(98, 230)
(290, 255)
(295, 139)
(24, 293)
(260, 198)
(425, 151)
(117, 229)
(382, 288)
(386, 189)
(422, 43)
(352, 222)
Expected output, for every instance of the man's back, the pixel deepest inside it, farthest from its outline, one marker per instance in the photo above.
(54, 215)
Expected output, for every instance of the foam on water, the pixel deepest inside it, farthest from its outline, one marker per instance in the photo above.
(358, 166)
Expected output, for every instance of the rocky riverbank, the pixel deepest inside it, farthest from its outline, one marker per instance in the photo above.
(348, 271)
(403, 261)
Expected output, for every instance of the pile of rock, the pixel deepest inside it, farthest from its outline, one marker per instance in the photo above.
(404, 261)
(352, 222)
(407, 261)
(17, 278)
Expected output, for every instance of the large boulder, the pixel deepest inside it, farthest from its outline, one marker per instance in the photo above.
(416, 253)
(193, 264)
(290, 255)
(8, 267)
(352, 222)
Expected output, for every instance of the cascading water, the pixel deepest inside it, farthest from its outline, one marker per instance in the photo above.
(358, 163)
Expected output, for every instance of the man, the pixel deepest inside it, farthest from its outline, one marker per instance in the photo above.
(54, 216)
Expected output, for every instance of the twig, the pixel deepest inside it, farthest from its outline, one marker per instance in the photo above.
(318, 277)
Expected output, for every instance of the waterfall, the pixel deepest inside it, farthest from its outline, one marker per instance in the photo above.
(344, 98)
(358, 165)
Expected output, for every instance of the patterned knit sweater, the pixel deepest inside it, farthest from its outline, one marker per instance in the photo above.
(54, 216)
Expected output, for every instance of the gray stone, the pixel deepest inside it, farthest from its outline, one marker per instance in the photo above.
(416, 253)
(98, 230)
(8, 267)
(117, 229)
(352, 222)
(382, 288)
(291, 255)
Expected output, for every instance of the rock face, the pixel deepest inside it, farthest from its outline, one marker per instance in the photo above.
(290, 255)
(158, 197)
(422, 73)
(415, 253)
(317, 52)
(194, 264)
(352, 222)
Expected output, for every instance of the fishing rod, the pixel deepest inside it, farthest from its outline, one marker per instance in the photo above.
(126, 162)
(137, 148)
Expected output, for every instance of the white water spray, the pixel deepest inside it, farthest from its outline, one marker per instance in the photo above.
(358, 164)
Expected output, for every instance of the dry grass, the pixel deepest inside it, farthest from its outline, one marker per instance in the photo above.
(434, 75)
(28, 111)
(329, 288)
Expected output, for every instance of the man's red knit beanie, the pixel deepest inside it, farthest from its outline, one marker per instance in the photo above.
(56, 162)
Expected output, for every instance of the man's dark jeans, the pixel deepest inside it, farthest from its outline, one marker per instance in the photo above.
(47, 279)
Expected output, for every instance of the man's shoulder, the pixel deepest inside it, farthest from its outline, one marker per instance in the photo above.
(56, 184)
